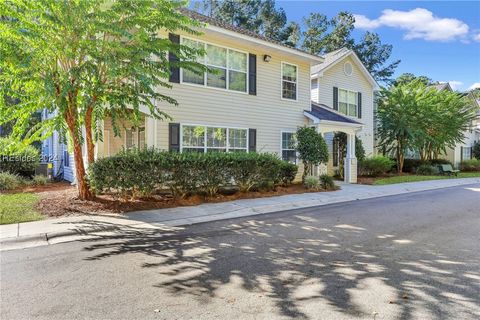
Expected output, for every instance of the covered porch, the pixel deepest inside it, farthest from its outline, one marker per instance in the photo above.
(327, 120)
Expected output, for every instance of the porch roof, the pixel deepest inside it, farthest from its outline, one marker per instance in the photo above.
(321, 112)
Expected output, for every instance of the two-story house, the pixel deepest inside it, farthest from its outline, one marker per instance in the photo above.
(254, 102)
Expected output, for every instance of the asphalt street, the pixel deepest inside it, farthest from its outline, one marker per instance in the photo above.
(412, 256)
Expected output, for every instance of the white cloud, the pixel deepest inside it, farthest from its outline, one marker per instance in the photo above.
(476, 37)
(419, 23)
(476, 85)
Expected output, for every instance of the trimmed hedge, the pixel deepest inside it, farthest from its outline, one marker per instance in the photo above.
(141, 172)
(411, 165)
(375, 166)
(470, 165)
(18, 158)
(426, 170)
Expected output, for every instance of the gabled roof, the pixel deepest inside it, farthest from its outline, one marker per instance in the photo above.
(441, 86)
(325, 113)
(241, 31)
(334, 57)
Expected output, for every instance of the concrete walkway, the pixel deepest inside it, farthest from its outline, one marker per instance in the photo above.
(52, 231)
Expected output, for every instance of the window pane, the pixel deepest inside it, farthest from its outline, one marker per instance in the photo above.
(352, 110)
(237, 81)
(193, 136)
(288, 140)
(191, 77)
(194, 45)
(141, 138)
(237, 138)
(289, 90)
(237, 60)
(216, 56)
(289, 72)
(189, 149)
(216, 137)
(217, 79)
(342, 107)
(352, 97)
(342, 96)
(289, 155)
(129, 139)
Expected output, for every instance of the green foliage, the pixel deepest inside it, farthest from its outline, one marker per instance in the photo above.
(288, 172)
(16, 157)
(405, 78)
(413, 117)
(327, 182)
(340, 139)
(312, 148)
(9, 181)
(136, 173)
(82, 60)
(470, 165)
(375, 166)
(476, 149)
(411, 165)
(426, 170)
(39, 180)
(311, 183)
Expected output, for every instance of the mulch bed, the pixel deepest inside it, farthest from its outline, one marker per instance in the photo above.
(60, 199)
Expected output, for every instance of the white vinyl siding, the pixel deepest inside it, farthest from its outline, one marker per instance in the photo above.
(357, 82)
(229, 67)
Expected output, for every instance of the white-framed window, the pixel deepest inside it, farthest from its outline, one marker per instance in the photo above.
(135, 138)
(230, 67)
(348, 102)
(199, 138)
(289, 143)
(289, 81)
(466, 153)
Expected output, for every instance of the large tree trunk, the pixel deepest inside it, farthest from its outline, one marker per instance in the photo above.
(89, 136)
(400, 156)
(84, 191)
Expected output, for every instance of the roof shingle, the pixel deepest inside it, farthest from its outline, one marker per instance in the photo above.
(323, 112)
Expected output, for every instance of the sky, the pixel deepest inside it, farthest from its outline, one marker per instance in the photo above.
(438, 39)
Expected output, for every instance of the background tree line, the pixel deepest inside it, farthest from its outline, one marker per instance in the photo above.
(317, 34)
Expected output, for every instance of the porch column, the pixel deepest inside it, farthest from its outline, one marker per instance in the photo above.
(150, 126)
(350, 160)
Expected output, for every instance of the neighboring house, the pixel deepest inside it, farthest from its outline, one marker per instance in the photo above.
(463, 151)
(343, 86)
(257, 100)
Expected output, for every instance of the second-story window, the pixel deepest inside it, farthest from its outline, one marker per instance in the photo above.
(229, 67)
(347, 102)
(289, 81)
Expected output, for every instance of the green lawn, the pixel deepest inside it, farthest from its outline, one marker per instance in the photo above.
(414, 178)
(18, 207)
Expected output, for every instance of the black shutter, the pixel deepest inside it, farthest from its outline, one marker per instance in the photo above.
(252, 74)
(461, 154)
(335, 98)
(359, 105)
(252, 140)
(174, 137)
(174, 71)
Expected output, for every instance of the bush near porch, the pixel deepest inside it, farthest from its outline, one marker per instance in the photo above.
(138, 173)
(470, 165)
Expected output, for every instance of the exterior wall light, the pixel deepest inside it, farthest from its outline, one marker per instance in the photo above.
(267, 58)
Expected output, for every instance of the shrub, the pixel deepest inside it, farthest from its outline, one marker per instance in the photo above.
(326, 182)
(16, 157)
(376, 166)
(311, 183)
(470, 165)
(288, 171)
(9, 181)
(39, 180)
(141, 172)
(410, 165)
(476, 150)
(312, 149)
(426, 170)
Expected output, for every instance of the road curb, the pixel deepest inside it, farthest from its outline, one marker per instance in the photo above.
(253, 211)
